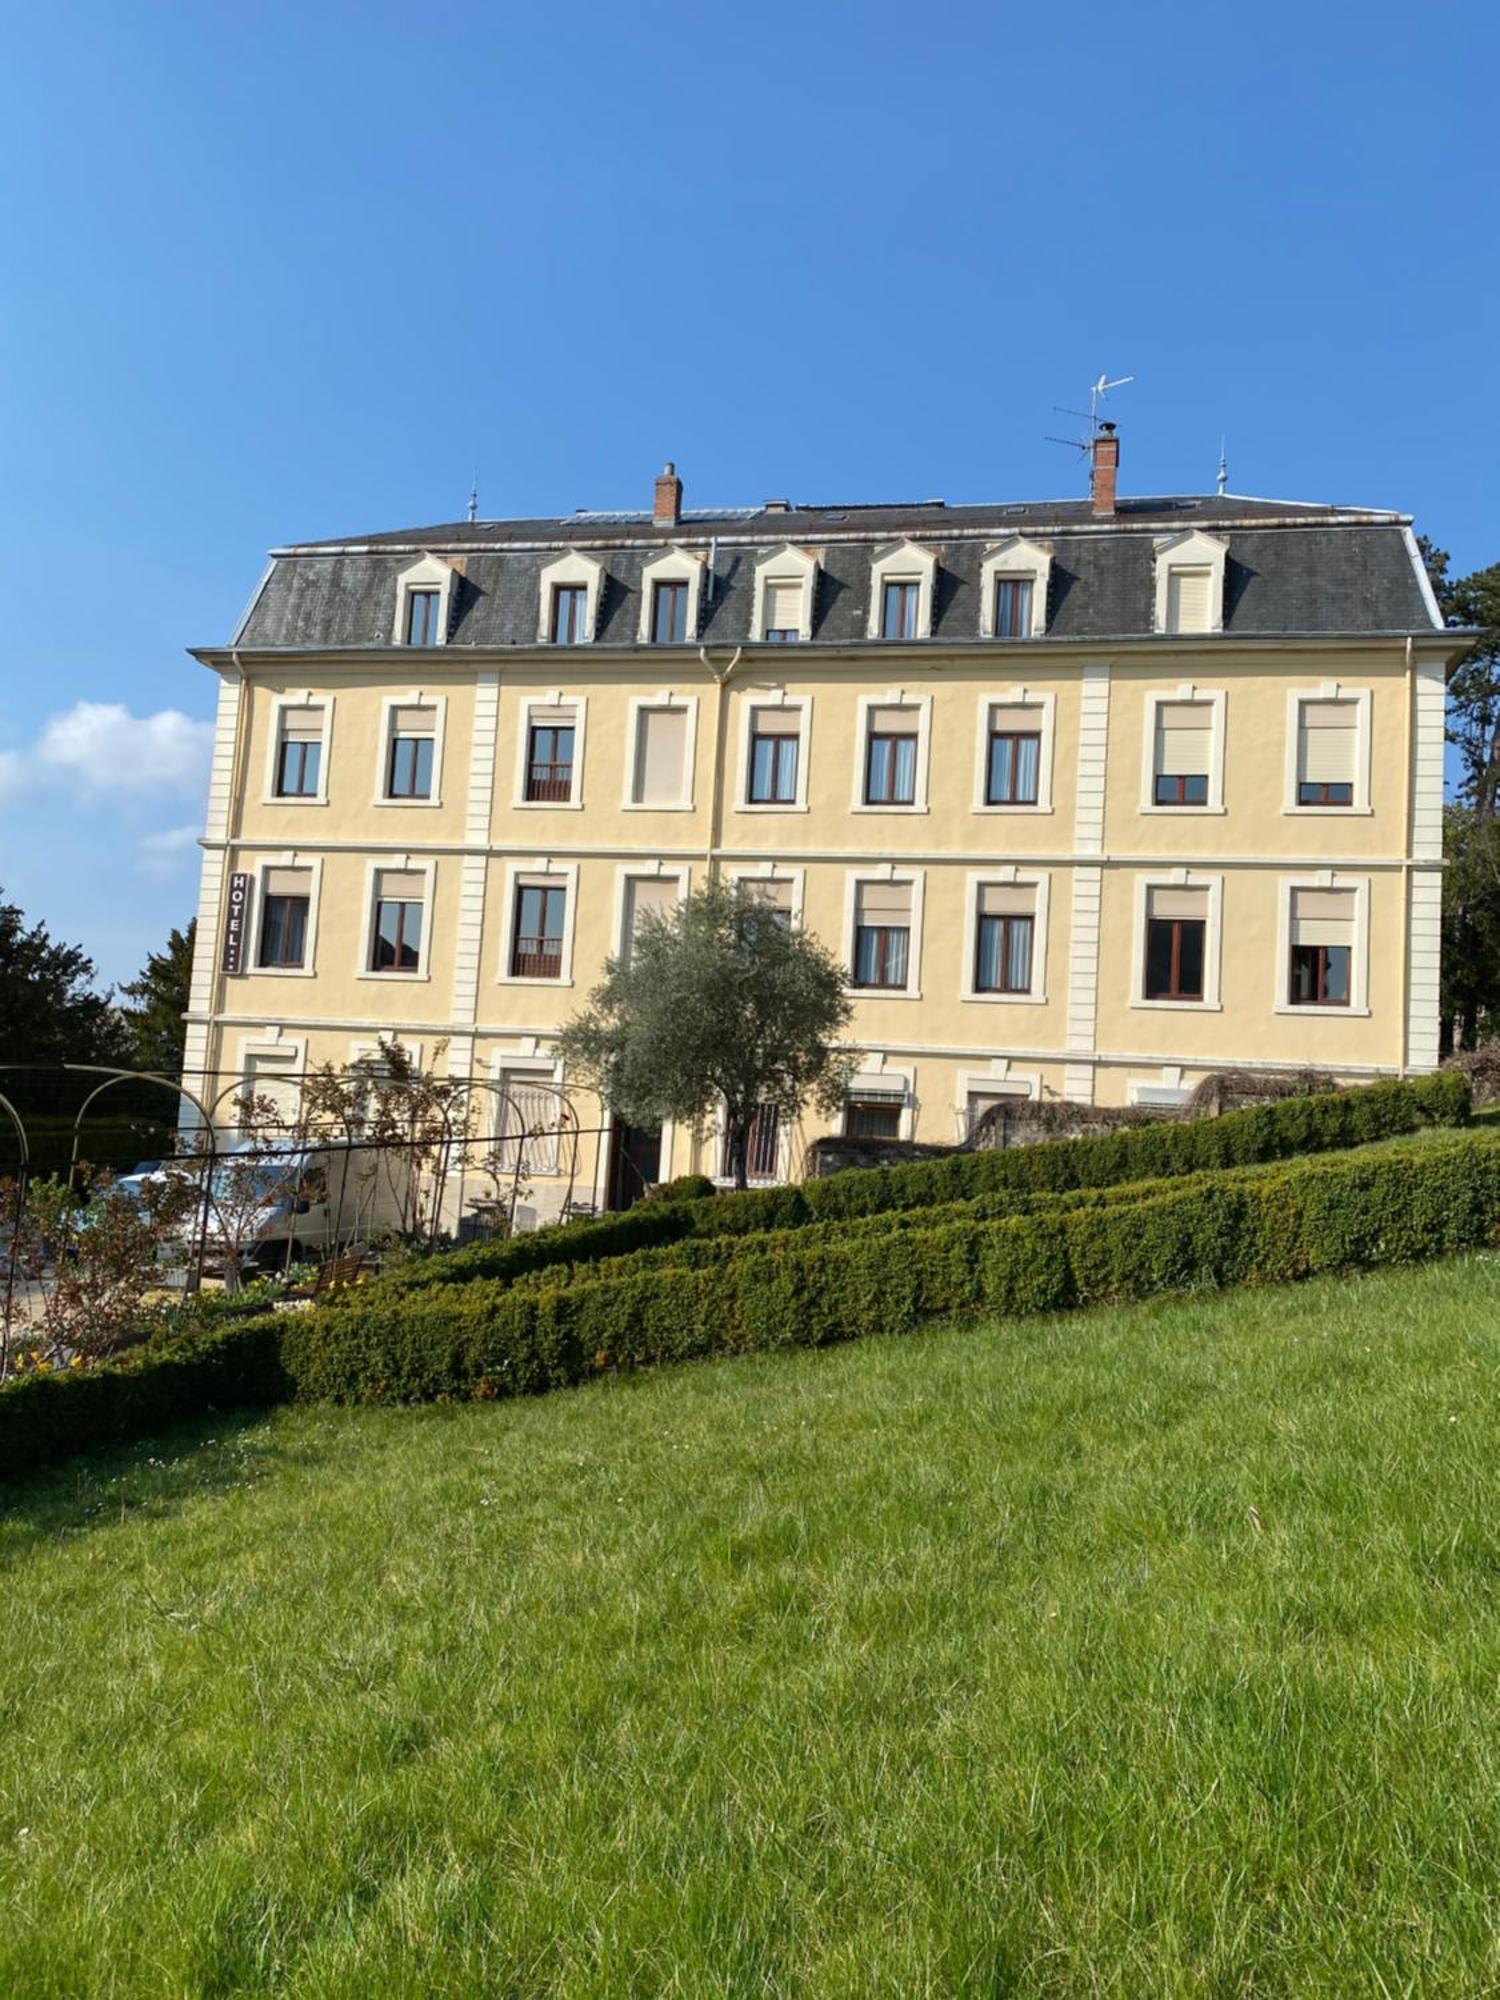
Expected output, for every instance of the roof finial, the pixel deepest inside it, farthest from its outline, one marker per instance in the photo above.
(1223, 466)
(474, 497)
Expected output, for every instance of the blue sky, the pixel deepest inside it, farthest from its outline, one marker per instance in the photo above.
(289, 271)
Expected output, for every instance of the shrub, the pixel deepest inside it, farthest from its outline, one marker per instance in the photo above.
(1273, 1226)
(1159, 1150)
(686, 1187)
(45, 1417)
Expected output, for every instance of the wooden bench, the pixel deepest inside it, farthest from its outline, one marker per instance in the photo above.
(342, 1270)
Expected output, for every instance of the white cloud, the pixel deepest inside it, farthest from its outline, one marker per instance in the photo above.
(164, 853)
(106, 749)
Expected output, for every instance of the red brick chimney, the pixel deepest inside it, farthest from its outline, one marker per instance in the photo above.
(666, 510)
(1105, 468)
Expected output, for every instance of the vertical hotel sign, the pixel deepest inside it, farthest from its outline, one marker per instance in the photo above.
(233, 959)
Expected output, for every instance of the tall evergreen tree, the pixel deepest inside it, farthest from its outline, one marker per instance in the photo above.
(155, 1023)
(51, 1011)
(1471, 822)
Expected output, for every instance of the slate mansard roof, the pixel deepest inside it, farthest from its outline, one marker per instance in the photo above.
(1291, 568)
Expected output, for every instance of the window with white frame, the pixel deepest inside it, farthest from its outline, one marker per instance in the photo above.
(528, 1123)
(900, 607)
(762, 1148)
(569, 592)
(901, 593)
(881, 959)
(539, 918)
(398, 920)
(569, 622)
(1322, 939)
(411, 750)
(774, 754)
(980, 1102)
(782, 613)
(670, 590)
(891, 750)
(778, 894)
(1175, 947)
(423, 595)
(551, 745)
(298, 765)
(285, 919)
(646, 896)
(1013, 584)
(1327, 752)
(1190, 582)
(1004, 938)
(1013, 754)
(271, 1091)
(874, 1111)
(659, 760)
(1182, 753)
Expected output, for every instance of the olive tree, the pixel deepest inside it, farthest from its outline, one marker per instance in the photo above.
(717, 1006)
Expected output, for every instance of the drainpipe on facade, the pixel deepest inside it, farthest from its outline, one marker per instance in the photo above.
(1408, 836)
(721, 678)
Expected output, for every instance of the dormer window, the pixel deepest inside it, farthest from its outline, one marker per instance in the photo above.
(569, 613)
(568, 609)
(1013, 606)
(783, 613)
(785, 582)
(1190, 582)
(900, 607)
(668, 613)
(423, 595)
(422, 617)
(901, 591)
(1014, 579)
(670, 593)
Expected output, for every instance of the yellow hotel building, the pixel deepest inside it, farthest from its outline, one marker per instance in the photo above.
(1093, 797)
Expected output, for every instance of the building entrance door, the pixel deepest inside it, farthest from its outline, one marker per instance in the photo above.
(634, 1162)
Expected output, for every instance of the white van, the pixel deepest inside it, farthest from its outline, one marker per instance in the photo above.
(271, 1208)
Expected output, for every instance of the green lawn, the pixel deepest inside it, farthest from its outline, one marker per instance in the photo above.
(1136, 1653)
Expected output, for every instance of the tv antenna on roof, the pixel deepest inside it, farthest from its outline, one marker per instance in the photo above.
(1097, 393)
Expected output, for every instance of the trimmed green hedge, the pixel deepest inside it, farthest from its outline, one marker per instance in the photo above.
(1076, 1245)
(1214, 1230)
(1295, 1125)
(48, 1417)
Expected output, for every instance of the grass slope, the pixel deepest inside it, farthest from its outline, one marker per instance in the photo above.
(1144, 1652)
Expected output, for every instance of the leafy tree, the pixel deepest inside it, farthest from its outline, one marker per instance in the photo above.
(718, 1004)
(155, 1024)
(50, 1009)
(1471, 823)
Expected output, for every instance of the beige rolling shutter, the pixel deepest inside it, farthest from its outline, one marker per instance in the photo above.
(893, 721)
(400, 885)
(1187, 903)
(883, 902)
(1006, 899)
(288, 882)
(414, 722)
(1328, 740)
(775, 895)
(783, 606)
(1188, 599)
(656, 894)
(302, 725)
(776, 721)
(1323, 916)
(1015, 719)
(660, 751)
(1184, 737)
(561, 716)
